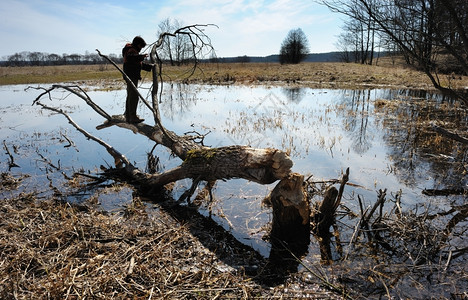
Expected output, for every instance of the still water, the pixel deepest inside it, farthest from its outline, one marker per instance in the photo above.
(383, 136)
(325, 132)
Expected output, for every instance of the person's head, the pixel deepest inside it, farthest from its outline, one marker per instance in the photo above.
(139, 42)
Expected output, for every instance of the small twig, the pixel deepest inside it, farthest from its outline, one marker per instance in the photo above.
(198, 136)
(449, 258)
(364, 224)
(131, 265)
(380, 201)
(89, 176)
(70, 142)
(398, 211)
(11, 163)
(344, 180)
(48, 161)
(355, 234)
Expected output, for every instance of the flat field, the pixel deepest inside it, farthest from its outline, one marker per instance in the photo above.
(318, 75)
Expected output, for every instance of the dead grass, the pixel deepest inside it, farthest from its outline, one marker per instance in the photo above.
(317, 75)
(55, 250)
(55, 74)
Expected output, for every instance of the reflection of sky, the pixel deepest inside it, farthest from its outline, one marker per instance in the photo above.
(311, 127)
(231, 113)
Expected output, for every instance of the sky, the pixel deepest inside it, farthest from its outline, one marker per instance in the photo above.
(243, 27)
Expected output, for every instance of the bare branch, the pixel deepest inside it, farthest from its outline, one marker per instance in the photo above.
(118, 157)
(12, 163)
(76, 90)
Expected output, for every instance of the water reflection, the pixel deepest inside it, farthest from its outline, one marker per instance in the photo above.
(415, 149)
(384, 136)
(178, 99)
(294, 94)
(356, 106)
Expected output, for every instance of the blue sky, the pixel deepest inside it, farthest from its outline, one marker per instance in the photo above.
(245, 27)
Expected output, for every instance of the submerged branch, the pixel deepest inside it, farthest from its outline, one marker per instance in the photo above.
(449, 134)
(12, 163)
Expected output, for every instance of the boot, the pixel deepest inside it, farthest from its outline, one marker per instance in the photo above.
(134, 120)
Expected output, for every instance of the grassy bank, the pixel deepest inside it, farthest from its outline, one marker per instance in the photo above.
(55, 74)
(318, 75)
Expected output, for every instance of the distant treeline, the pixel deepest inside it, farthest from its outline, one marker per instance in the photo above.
(46, 59)
(313, 57)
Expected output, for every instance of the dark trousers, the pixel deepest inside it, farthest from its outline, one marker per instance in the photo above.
(131, 103)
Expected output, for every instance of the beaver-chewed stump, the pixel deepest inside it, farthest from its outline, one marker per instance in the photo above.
(291, 211)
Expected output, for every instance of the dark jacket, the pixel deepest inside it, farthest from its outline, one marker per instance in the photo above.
(133, 62)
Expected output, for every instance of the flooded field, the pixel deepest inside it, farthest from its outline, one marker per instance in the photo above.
(384, 137)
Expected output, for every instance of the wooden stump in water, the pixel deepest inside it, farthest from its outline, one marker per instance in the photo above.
(291, 211)
(290, 232)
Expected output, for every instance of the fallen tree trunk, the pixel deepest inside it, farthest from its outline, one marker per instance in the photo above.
(263, 166)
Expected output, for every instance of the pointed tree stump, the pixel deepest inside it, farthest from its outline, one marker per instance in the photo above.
(291, 211)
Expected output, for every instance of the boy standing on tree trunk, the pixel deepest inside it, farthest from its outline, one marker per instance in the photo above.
(132, 66)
